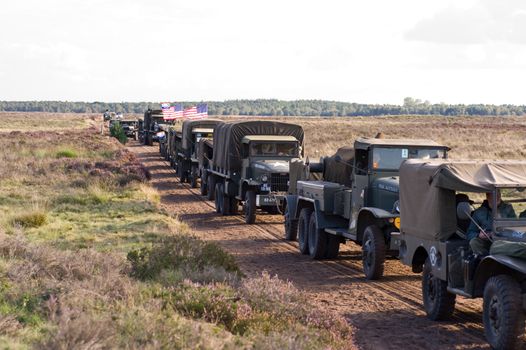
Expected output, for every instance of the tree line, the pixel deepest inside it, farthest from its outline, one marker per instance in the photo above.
(271, 107)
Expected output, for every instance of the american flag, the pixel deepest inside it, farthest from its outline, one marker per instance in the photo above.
(190, 113)
(178, 111)
(202, 111)
(168, 111)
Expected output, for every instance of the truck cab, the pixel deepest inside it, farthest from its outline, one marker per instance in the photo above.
(265, 163)
(363, 207)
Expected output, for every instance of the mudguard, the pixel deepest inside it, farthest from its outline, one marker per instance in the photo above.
(379, 213)
(492, 265)
(292, 205)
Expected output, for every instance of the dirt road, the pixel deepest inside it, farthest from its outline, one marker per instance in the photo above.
(385, 314)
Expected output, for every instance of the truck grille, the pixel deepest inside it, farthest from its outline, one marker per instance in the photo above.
(279, 182)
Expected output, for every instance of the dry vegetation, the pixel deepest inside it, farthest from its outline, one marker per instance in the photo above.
(88, 259)
(469, 137)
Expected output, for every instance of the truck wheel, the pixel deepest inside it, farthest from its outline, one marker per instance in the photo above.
(234, 205)
(439, 304)
(333, 247)
(502, 312)
(203, 187)
(250, 207)
(218, 198)
(303, 230)
(225, 202)
(373, 252)
(193, 177)
(211, 187)
(291, 227)
(317, 240)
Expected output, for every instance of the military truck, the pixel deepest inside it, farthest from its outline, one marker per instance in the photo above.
(250, 164)
(129, 125)
(433, 240)
(356, 200)
(185, 150)
(205, 152)
(152, 127)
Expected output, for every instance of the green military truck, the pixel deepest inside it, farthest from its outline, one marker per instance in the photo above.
(205, 153)
(250, 164)
(357, 200)
(433, 240)
(184, 151)
(152, 127)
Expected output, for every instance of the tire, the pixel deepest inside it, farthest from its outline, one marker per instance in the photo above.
(250, 207)
(373, 252)
(333, 247)
(218, 198)
(234, 206)
(502, 312)
(225, 200)
(439, 304)
(193, 177)
(317, 240)
(211, 187)
(291, 227)
(203, 187)
(303, 230)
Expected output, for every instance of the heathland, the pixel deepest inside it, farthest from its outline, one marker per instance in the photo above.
(89, 258)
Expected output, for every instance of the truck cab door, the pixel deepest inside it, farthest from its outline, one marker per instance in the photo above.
(359, 185)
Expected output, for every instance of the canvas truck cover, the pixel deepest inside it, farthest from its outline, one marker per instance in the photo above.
(427, 191)
(228, 136)
(204, 149)
(189, 125)
(338, 167)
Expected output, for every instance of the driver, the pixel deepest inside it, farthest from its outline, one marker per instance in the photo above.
(479, 242)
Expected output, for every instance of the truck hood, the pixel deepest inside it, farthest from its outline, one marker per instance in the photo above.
(389, 184)
(271, 166)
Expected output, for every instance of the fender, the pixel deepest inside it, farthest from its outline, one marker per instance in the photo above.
(292, 205)
(378, 213)
(494, 265)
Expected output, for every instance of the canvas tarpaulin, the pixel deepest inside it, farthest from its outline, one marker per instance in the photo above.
(228, 136)
(338, 168)
(189, 125)
(427, 191)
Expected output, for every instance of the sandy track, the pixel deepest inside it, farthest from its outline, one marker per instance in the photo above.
(385, 314)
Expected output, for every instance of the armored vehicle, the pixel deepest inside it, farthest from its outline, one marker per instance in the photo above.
(250, 163)
(152, 127)
(357, 200)
(185, 151)
(433, 239)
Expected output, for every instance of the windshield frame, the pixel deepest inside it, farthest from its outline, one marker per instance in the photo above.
(409, 148)
(503, 223)
(251, 144)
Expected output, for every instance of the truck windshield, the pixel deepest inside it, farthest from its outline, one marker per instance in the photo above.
(510, 218)
(200, 135)
(285, 149)
(390, 158)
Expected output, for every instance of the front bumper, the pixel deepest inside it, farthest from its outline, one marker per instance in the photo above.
(269, 200)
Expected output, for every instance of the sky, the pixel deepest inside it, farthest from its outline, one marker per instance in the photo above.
(377, 51)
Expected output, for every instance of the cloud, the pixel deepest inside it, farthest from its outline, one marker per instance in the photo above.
(486, 21)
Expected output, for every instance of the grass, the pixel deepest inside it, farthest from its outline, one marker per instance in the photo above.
(88, 259)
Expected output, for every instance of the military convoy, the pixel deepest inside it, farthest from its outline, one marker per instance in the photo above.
(356, 199)
(433, 240)
(395, 197)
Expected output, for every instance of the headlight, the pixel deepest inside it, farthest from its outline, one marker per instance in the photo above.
(264, 178)
(396, 207)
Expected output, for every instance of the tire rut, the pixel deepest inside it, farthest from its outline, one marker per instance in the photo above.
(330, 282)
